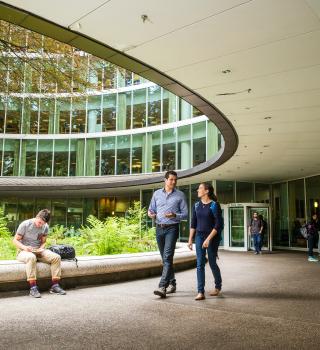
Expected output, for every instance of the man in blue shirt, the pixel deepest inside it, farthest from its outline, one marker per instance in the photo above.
(168, 206)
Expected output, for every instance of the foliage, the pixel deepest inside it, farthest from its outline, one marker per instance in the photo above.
(113, 235)
(4, 231)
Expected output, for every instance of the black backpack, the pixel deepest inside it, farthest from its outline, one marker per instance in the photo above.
(66, 252)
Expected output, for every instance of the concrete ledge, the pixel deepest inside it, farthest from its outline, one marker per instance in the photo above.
(95, 269)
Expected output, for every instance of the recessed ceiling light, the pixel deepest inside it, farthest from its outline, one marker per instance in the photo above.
(226, 71)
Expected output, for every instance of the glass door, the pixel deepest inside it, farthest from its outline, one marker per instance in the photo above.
(236, 225)
(263, 214)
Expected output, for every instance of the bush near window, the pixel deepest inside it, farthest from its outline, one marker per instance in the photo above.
(113, 235)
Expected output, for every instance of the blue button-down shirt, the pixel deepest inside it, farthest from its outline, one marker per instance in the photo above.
(173, 202)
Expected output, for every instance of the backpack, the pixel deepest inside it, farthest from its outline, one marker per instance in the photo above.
(304, 231)
(214, 207)
(66, 252)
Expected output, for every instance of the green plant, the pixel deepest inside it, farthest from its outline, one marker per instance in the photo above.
(113, 235)
(4, 231)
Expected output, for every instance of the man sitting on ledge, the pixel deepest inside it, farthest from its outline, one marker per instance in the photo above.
(30, 239)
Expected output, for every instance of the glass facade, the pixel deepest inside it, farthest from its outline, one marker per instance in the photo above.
(60, 104)
(294, 202)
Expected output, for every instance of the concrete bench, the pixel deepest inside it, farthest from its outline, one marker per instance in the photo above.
(95, 269)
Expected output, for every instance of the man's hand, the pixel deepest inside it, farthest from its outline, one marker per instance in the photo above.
(170, 215)
(206, 243)
(151, 214)
(28, 248)
(189, 245)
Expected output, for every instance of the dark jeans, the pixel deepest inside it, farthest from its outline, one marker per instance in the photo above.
(311, 243)
(261, 240)
(166, 239)
(201, 260)
(257, 242)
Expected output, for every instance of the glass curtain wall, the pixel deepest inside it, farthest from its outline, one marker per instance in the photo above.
(77, 100)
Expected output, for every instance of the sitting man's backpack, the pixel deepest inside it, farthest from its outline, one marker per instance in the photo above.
(65, 251)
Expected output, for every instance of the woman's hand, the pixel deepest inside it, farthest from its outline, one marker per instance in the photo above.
(190, 244)
(206, 243)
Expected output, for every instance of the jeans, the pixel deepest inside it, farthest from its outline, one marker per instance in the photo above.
(201, 260)
(311, 243)
(257, 242)
(166, 239)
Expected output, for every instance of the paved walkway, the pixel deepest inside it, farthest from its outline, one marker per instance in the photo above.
(268, 302)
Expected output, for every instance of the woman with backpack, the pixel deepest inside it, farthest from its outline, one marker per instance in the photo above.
(206, 225)
(313, 226)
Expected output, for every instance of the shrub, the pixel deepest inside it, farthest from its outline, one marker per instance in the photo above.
(4, 231)
(113, 235)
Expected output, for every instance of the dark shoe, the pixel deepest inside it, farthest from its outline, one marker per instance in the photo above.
(56, 289)
(34, 292)
(200, 296)
(161, 292)
(171, 289)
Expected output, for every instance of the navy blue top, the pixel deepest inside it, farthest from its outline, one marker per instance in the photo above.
(204, 220)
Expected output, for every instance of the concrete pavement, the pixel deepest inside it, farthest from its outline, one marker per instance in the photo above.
(268, 302)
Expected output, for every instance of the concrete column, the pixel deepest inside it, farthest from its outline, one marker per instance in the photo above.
(23, 154)
(212, 140)
(172, 108)
(147, 153)
(185, 110)
(92, 120)
(25, 127)
(52, 120)
(122, 112)
(185, 155)
(91, 157)
(80, 158)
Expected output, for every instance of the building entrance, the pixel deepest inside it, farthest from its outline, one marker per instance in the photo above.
(237, 219)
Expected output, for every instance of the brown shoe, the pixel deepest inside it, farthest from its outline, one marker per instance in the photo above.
(200, 296)
(215, 292)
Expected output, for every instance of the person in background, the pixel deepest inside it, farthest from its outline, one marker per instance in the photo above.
(264, 230)
(30, 239)
(206, 225)
(168, 206)
(313, 226)
(255, 229)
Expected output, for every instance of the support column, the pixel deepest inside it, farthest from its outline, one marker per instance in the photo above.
(185, 155)
(185, 110)
(212, 140)
(92, 121)
(172, 108)
(80, 158)
(147, 153)
(52, 118)
(122, 111)
(91, 157)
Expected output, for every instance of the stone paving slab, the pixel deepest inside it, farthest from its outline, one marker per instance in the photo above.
(268, 302)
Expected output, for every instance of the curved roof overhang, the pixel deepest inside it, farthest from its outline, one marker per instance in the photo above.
(42, 26)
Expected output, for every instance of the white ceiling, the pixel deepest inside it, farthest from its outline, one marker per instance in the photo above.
(271, 47)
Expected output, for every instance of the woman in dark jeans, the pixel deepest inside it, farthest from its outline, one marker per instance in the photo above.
(206, 224)
(313, 227)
